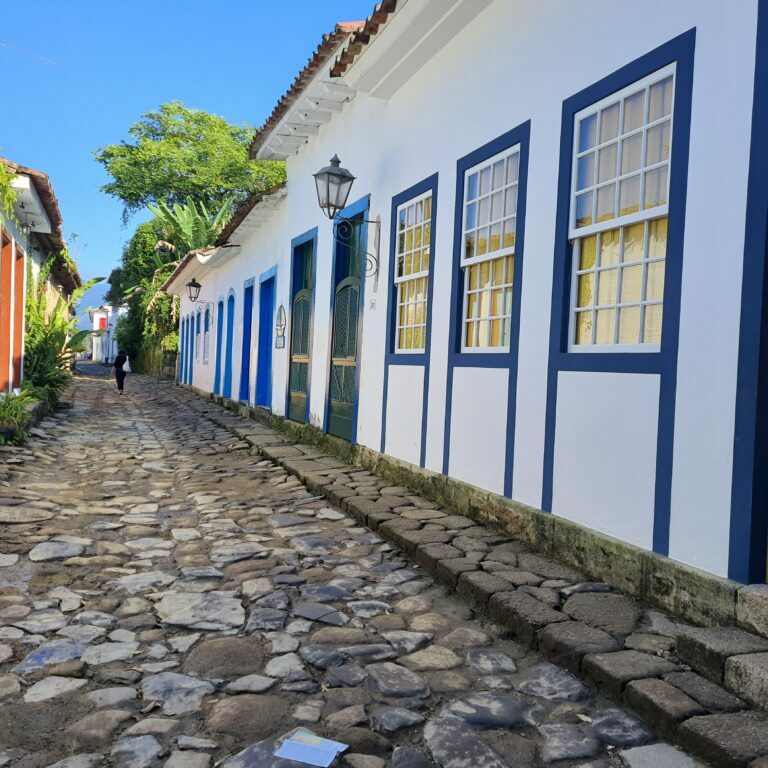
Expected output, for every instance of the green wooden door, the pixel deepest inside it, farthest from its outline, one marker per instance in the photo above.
(298, 382)
(346, 305)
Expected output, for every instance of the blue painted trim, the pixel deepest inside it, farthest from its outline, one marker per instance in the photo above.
(306, 237)
(506, 359)
(226, 388)
(219, 342)
(360, 206)
(191, 348)
(749, 490)
(182, 341)
(679, 50)
(244, 393)
(391, 357)
(266, 275)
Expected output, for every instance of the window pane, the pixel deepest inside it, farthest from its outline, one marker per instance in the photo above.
(588, 250)
(401, 219)
(629, 195)
(485, 274)
(498, 174)
(654, 281)
(469, 335)
(495, 333)
(471, 215)
(495, 242)
(585, 172)
(609, 123)
(472, 187)
(586, 291)
(631, 284)
(509, 232)
(661, 99)
(584, 209)
(513, 165)
(656, 187)
(485, 181)
(606, 202)
(497, 277)
(657, 143)
(634, 111)
(584, 328)
(482, 333)
(428, 208)
(606, 163)
(606, 320)
(496, 200)
(652, 325)
(609, 247)
(629, 325)
(631, 153)
(484, 211)
(482, 242)
(657, 244)
(510, 204)
(469, 245)
(587, 133)
(606, 287)
(474, 272)
(634, 243)
(472, 305)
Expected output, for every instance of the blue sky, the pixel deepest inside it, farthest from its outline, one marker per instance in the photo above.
(117, 60)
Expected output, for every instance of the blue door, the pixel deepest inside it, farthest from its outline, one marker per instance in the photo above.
(245, 366)
(266, 320)
(182, 341)
(228, 349)
(219, 338)
(191, 349)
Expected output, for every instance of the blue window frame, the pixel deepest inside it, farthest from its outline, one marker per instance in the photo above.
(429, 187)
(679, 51)
(501, 357)
(749, 491)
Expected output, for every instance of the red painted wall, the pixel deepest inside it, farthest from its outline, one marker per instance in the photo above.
(18, 316)
(6, 289)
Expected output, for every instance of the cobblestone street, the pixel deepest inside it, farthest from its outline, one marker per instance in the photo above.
(169, 597)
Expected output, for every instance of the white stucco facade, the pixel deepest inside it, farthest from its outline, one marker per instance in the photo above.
(586, 442)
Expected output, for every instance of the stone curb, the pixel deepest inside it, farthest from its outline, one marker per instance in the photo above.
(693, 711)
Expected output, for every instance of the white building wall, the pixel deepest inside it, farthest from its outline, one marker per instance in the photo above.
(518, 61)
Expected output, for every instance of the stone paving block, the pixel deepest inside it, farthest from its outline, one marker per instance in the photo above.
(610, 672)
(726, 741)
(429, 555)
(478, 587)
(658, 756)
(375, 519)
(747, 677)
(448, 571)
(711, 696)
(660, 704)
(523, 614)
(546, 568)
(409, 540)
(568, 642)
(706, 649)
(608, 611)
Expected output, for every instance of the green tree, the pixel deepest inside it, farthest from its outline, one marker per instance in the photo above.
(176, 152)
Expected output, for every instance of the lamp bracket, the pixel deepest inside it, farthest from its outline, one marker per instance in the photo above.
(343, 233)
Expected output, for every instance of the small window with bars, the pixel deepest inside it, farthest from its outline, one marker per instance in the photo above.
(488, 258)
(619, 216)
(412, 264)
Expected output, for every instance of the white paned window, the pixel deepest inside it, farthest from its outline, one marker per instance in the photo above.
(412, 259)
(488, 259)
(618, 216)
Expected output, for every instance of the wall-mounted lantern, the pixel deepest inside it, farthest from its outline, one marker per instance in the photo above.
(334, 184)
(193, 289)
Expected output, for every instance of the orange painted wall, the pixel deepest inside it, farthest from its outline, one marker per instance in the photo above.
(6, 288)
(18, 316)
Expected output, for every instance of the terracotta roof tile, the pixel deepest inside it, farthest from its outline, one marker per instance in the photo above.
(322, 54)
(68, 278)
(362, 36)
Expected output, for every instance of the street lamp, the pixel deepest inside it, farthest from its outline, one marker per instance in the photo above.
(333, 187)
(193, 289)
(334, 184)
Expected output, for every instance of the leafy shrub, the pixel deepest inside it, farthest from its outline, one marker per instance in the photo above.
(14, 417)
(52, 339)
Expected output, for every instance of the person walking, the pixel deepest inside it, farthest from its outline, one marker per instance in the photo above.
(121, 367)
